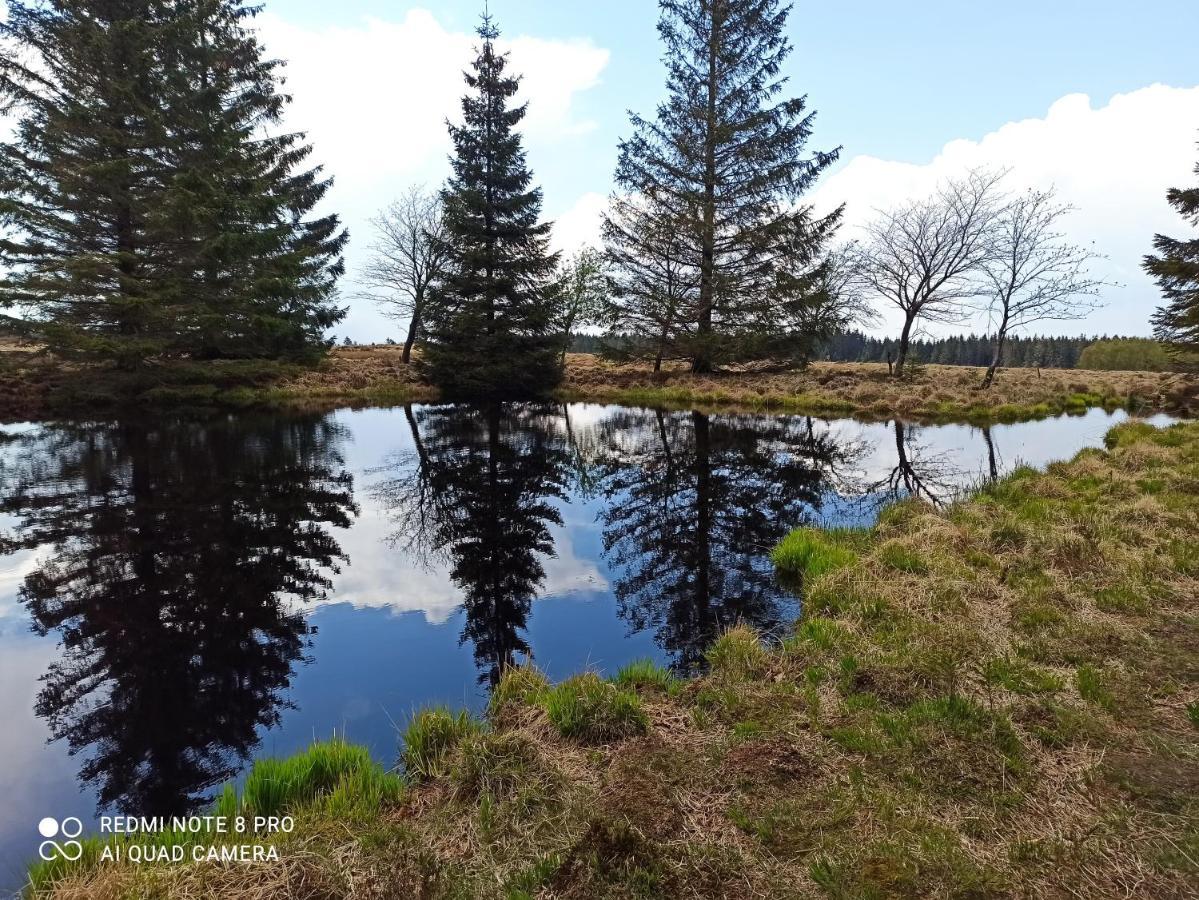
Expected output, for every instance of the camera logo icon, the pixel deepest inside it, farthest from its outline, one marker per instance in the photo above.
(69, 828)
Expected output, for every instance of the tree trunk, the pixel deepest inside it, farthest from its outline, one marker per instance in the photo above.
(413, 328)
(1000, 338)
(905, 336)
(701, 362)
(566, 339)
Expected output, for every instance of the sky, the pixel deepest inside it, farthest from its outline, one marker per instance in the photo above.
(1098, 98)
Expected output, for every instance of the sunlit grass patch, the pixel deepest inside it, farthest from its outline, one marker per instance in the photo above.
(738, 653)
(589, 709)
(810, 552)
(645, 673)
(903, 558)
(277, 784)
(519, 684)
(1094, 688)
(430, 737)
(497, 765)
(1020, 676)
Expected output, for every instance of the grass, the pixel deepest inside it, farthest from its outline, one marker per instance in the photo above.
(587, 708)
(332, 782)
(430, 737)
(34, 385)
(965, 710)
(937, 393)
(810, 552)
(646, 674)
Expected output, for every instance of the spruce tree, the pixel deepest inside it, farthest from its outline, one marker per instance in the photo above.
(145, 212)
(1176, 269)
(724, 158)
(259, 271)
(82, 182)
(491, 323)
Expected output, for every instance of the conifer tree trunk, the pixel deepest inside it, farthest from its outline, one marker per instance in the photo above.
(702, 360)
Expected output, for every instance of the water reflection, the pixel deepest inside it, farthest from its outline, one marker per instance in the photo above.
(171, 552)
(177, 569)
(478, 491)
(694, 504)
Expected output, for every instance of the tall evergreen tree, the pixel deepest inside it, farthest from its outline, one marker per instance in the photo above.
(724, 160)
(82, 183)
(491, 323)
(144, 212)
(257, 268)
(1176, 269)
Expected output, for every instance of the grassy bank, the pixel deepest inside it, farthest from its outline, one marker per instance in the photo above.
(936, 393)
(34, 386)
(996, 699)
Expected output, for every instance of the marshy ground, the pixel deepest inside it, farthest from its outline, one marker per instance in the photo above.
(998, 698)
(34, 385)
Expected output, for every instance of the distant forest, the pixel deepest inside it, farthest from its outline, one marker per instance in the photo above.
(971, 350)
(962, 350)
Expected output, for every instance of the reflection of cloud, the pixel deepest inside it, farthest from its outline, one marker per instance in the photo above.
(379, 577)
(13, 570)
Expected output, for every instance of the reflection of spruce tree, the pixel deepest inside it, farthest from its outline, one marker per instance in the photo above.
(172, 551)
(495, 472)
(695, 505)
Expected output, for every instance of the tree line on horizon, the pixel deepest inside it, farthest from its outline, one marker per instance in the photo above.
(152, 206)
(1020, 352)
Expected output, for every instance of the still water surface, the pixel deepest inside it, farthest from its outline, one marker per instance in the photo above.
(178, 596)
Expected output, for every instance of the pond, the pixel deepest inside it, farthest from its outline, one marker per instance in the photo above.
(179, 595)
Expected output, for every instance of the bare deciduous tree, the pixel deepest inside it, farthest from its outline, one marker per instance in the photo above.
(406, 257)
(924, 256)
(1032, 274)
(580, 290)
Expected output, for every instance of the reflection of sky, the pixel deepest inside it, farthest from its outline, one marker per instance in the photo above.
(383, 578)
(388, 639)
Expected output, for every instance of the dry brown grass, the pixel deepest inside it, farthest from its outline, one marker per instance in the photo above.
(33, 385)
(999, 699)
(866, 388)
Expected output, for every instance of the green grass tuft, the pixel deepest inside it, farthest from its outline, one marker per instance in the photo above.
(903, 558)
(277, 784)
(737, 654)
(519, 684)
(430, 737)
(810, 552)
(645, 673)
(589, 709)
(1092, 687)
(1020, 676)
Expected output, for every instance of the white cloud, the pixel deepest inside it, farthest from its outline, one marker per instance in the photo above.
(580, 225)
(374, 97)
(1114, 163)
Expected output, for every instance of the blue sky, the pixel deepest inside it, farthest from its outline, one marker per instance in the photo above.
(891, 82)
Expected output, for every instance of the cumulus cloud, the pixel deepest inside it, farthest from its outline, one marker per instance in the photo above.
(374, 96)
(579, 226)
(1113, 162)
